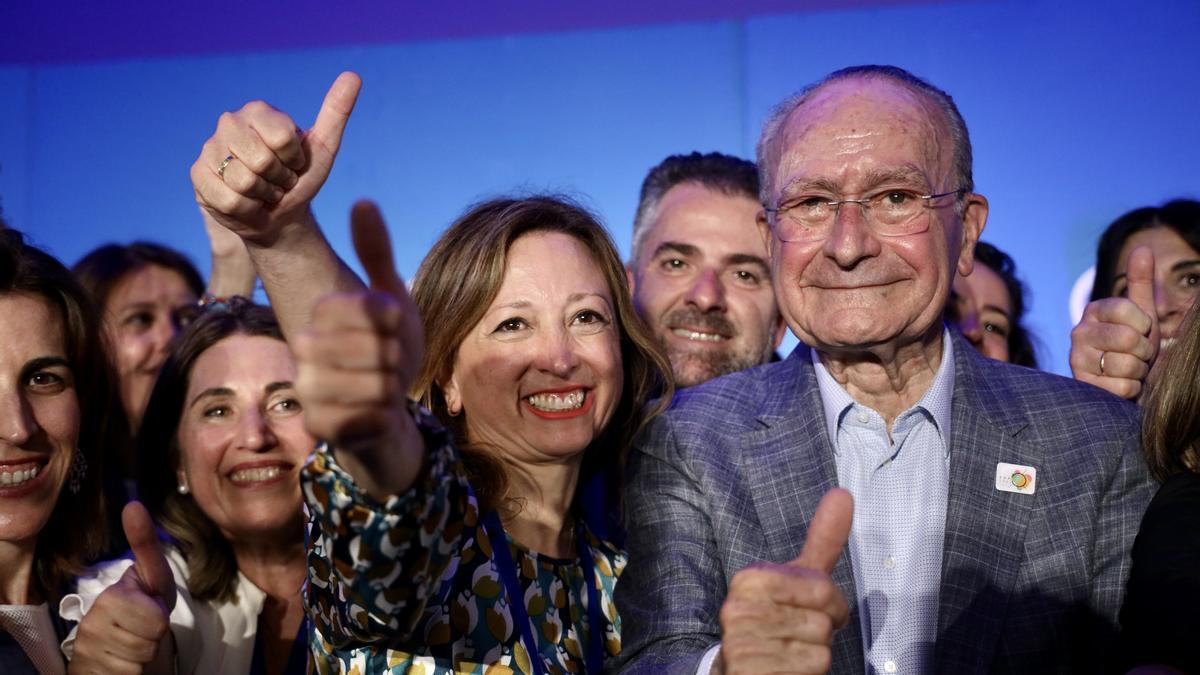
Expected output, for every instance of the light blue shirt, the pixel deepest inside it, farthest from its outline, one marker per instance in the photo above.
(900, 487)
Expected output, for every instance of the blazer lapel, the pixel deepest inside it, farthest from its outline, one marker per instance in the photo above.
(789, 464)
(985, 527)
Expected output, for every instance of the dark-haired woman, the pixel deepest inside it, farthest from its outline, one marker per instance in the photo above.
(1137, 307)
(220, 454)
(1160, 620)
(989, 306)
(147, 293)
(55, 389)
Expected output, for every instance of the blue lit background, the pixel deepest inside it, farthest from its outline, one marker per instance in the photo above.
(1078, 111)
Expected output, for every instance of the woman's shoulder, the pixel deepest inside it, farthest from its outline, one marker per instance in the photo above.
(1177, 497)
(1183, 486)
(1171, 521)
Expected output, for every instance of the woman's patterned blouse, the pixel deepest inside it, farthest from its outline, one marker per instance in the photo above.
(410, 585)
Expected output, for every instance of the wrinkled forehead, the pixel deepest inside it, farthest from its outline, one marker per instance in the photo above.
(864, 123)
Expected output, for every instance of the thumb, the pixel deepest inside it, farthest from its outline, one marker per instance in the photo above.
(153, 572)
(335, 112)
(374, 249)
(828, 532)
(1139, 285)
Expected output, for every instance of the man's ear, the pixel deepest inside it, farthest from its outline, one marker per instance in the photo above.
(780, 330)
(764, 231)
(975, 213)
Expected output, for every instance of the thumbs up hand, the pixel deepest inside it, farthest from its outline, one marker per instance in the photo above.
(781, 618)
(1123, 331)
(127, 628)
(356, 363)
(258, 172)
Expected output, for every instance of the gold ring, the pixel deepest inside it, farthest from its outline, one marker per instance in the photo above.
(1102, 362)
(224, 165)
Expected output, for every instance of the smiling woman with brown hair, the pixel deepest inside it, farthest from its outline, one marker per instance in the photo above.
(55, 390)
(219, 456)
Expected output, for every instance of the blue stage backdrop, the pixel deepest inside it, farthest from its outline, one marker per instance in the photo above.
(1078, 112)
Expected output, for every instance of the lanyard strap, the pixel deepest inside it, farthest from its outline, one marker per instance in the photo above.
(594, 662)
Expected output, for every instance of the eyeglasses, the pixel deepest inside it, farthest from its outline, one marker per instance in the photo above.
(890, 213)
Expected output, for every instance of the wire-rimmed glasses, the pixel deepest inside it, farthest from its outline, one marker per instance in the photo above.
(891, 213)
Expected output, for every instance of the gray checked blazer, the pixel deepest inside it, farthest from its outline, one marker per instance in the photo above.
(1031, 583)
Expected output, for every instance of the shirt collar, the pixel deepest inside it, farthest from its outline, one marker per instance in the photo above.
(836, 401)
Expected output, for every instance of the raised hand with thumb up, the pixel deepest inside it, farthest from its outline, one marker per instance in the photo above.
(258, 172)
(127, 628)
(356, 362)
(782, 618)
(1116, 342)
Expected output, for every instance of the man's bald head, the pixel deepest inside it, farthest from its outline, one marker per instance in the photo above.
(940, 103)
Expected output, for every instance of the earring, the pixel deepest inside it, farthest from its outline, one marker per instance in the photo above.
(183, 489)
(78, 472)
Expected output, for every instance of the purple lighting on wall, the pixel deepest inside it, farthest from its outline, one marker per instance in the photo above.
(38, 32)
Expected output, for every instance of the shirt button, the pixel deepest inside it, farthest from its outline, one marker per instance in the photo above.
(863, 418)
(889, 666)
(888, 563)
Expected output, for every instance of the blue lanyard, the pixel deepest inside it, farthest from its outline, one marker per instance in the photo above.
(516, 597)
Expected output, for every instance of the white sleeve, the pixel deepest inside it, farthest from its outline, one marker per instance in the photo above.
(96, 579)
(89, 586)
(710, 656)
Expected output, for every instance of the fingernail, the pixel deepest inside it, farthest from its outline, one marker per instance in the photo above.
(276, 195)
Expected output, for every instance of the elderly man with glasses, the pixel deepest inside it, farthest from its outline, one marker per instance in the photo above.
(985, 512)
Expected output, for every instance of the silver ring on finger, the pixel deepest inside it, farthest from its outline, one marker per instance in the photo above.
(224, 165)
(1102, 362)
